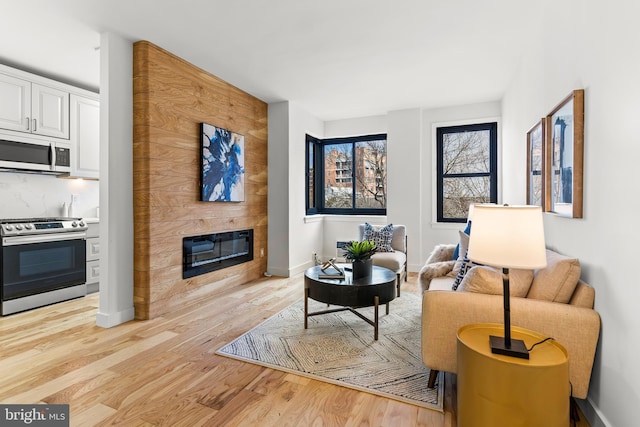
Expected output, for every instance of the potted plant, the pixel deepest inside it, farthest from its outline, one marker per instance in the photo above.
(360, 255)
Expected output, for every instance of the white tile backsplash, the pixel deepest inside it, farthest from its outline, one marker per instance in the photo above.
(35, 195)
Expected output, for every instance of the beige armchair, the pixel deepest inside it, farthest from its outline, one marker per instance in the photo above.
(556, 304)
(395, 261)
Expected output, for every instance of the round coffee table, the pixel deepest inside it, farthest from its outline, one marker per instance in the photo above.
(349, 294)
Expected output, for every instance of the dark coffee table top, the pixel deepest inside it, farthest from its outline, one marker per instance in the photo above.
(351, 293)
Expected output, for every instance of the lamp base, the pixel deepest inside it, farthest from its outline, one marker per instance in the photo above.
(517, 349)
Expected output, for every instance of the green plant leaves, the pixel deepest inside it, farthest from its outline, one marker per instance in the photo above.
(360, 250)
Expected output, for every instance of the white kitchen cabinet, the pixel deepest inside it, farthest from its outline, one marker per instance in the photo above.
(33, 108)
(93, 256)
(85, 137)
(49, 111)
(15, 103)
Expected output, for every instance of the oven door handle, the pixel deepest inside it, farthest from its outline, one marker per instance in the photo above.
(42, 238)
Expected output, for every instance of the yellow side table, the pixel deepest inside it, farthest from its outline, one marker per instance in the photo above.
(497, 390)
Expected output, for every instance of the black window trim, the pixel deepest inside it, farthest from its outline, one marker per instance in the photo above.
(492, 127)
(318, 157)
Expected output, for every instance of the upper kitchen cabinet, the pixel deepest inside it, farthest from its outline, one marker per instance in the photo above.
(33, 108)
(49, 111)
(85, 137)
(15, 103)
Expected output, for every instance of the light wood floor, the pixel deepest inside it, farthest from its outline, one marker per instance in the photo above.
(163, 372)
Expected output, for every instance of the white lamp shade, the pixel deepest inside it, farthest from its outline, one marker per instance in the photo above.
(508, 237)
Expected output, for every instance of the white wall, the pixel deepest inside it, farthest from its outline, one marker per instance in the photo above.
(292, 239)
(278, 198)
(403, 180)
(116, 184)
(370, 125)
(305, 237)
(33, 195)
(592, 45)
(291, 251)
(433, 233)
(411, 163)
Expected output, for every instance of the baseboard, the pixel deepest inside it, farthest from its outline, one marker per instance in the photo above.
(280, 272)
(109, 320)
(299, 269)
(592, 413)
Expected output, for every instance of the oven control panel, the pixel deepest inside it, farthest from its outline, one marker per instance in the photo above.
(26, 226)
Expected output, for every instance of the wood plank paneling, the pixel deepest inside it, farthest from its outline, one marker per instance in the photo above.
(171, 98)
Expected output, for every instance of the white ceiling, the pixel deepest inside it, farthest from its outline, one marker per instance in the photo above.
(334, 58)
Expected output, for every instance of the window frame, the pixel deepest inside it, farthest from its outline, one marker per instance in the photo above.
(492, 127)
(318, 145)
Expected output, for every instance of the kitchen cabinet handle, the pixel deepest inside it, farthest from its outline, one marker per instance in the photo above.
(35, 127)
(28, 122)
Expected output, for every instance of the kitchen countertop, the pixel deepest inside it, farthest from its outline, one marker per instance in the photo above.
(91, 220)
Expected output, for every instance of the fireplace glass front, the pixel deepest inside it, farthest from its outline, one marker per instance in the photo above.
(210, 252)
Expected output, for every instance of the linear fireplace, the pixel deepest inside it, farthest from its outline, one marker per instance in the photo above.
(210, 252)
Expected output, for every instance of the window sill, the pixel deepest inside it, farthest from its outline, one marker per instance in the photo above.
(309, 219)
(358, 219)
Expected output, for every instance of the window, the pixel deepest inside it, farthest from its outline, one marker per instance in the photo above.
(311, 175)
(467, 169)
(347, 175)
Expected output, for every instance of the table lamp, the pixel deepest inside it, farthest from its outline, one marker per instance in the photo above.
(508, 237)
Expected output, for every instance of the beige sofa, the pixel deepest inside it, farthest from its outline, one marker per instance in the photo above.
(555, 303)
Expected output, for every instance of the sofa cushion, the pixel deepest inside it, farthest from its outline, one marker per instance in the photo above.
(557, 281)
(382, 237)
(488, 280)
(583, 296)
(441, 284)
(394, 261)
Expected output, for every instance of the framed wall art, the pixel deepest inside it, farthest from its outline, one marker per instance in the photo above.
(536, 164)
(222, 171)
(565, 146)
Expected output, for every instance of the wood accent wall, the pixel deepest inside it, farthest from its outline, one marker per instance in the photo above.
(171, 97)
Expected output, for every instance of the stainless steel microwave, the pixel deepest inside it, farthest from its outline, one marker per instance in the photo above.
(35, 156)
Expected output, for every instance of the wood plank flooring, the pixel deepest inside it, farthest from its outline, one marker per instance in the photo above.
(163, 372)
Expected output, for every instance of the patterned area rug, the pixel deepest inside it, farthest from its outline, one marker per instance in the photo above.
(339, 348)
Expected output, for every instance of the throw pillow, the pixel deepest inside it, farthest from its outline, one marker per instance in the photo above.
(465, 266)
(482, 280)
(463, 245)
(557, 281)
(488, 280)
(382, 238)
(458, 252)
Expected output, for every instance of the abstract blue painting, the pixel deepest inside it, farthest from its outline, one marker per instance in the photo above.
(222, 177)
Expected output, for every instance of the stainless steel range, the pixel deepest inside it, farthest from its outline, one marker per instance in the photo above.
(42, 261)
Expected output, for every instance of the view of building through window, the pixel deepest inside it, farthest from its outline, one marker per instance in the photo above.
(369, 170)
(353, 177)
